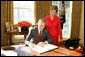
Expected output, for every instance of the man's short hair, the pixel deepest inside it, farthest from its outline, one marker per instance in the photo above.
(42, 19)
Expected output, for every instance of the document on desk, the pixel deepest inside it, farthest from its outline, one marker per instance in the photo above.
(45, 48)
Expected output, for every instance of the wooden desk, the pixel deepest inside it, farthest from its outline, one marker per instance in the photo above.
(67, 52)
(52, 53)
(58, 52)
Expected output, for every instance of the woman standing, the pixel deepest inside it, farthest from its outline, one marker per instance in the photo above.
(53, 25)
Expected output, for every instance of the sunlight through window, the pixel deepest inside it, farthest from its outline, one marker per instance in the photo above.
(23, 10)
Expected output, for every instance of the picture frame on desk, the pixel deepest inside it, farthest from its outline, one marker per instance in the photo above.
(14, 28)
(8, 26)
(11, 27)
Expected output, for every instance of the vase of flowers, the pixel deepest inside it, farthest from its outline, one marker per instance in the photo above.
(25, 29)
(24, 25)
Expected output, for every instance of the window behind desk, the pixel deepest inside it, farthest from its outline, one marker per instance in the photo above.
(23, 10)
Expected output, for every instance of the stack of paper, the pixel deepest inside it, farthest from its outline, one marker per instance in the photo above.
(8, 53)
(45, 48)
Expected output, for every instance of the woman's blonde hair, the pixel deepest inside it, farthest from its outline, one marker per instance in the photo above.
(54, 7)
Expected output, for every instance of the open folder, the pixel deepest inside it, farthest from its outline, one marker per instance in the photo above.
(42, 49)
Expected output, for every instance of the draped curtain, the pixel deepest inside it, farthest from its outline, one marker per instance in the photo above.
(76, 18)
(41, 9)
(6, 16)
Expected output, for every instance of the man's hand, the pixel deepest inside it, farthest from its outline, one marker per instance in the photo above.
(41, 43)
(31, 45)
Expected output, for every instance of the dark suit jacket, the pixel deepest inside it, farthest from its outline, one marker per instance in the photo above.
(34, 35)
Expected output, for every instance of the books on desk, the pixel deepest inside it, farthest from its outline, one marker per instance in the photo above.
(40, 49)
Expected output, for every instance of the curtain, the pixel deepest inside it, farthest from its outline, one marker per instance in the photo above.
(6, 16)
(76, 17)
(41, 9)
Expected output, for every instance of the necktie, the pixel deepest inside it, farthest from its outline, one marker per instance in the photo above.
(40, 36)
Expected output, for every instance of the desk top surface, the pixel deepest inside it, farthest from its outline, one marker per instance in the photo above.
(59, 52)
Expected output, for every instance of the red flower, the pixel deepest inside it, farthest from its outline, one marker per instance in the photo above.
(24, 24)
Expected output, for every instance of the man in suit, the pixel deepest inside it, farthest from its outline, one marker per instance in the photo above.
(39, 35)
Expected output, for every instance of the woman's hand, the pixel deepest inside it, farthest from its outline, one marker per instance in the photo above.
(60, 41)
